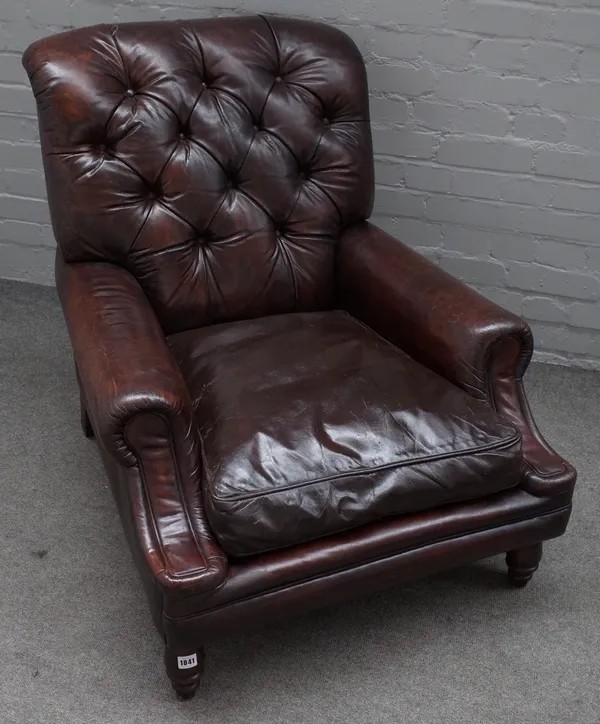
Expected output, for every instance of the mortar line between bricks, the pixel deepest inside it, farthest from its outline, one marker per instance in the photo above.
(428, 163)
(510, 108)
(496, 231)
(478, 35)
(16, 114)
(5, 195)
(513, 204)
(544, 6)
(525, 175)
(13, 84)
(474, 68)
(506, 263)
(492, 201)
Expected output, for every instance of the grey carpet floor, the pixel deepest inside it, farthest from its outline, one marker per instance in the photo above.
(77, 643)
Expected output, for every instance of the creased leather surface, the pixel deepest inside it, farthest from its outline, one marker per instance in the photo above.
(142, 415)
(451, 329)
(311, 424)
(438, 320)
(217, 160)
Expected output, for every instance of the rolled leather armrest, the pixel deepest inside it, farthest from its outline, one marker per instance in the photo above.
(140, 410)
(450, 328)
(124, 363)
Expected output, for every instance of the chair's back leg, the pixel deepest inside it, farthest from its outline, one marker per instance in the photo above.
(523, 563)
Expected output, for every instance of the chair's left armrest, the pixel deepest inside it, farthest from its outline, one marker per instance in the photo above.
(142, 415)
(450, 328)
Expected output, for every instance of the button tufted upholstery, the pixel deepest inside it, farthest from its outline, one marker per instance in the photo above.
(217, 160)
(209, 183)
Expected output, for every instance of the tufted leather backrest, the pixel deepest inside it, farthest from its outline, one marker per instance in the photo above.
(217, 160)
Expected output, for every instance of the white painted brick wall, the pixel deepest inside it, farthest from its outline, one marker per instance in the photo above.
(486, 117)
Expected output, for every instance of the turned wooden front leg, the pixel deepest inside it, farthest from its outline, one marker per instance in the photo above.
(185, 669)
(523, 563)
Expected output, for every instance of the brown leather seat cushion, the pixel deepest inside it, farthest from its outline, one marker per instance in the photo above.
(311, 424)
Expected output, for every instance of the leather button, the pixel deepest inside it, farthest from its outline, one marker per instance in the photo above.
(302, 175)
(326, 122)
(101, 147)
(203, 84)
(278, 79)
(130, 92)
(182, 136)
(255, 128)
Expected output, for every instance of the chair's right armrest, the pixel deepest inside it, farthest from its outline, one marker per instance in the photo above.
(434, 317)
(140, 410)
(450, 328)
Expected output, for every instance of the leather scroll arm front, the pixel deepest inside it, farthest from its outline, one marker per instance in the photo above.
(141, 413)
(450, 328)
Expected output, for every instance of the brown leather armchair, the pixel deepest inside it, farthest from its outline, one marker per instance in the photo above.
(292, 406)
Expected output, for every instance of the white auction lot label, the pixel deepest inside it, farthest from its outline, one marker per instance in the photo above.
(187, 662)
